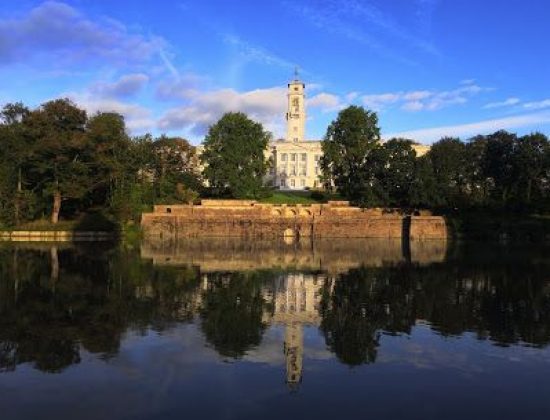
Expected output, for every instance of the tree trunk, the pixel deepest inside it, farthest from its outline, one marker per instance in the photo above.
(56, 206)
(529, 187)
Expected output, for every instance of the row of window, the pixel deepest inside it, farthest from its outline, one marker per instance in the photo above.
(294, 156)
(292, 183)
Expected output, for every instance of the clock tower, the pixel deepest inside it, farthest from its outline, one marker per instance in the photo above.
(296, 111)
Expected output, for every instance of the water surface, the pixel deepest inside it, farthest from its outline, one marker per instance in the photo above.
(232, 329)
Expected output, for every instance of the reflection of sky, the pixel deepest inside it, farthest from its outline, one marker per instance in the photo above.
(174, 374)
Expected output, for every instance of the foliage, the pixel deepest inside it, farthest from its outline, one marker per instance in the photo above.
(234, 157)
(55, 160)
(348, 148)
(498, 172)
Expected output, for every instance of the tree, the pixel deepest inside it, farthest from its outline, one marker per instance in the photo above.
(176, 170)
(498, 163)
(109, 143)
(234, 156)
(347, 145)
(14, 152)
(530, 162)
(399, 171)
(448, 162)
(61, 154)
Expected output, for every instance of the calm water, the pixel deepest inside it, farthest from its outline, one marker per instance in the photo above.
(223, 329)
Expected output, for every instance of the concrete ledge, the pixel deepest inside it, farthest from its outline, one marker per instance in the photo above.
(60, 235)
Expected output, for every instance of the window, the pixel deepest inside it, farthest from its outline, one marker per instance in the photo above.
(295, 139)
(304, 157)
(283, 157)
(293, 170)
(293, 157)
(303, 170)
(295, 129)
(316, 170)
(283, 183)
(292, 183)
(317, 158)
(303, 182)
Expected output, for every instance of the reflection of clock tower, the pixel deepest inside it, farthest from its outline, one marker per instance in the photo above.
(296, 114)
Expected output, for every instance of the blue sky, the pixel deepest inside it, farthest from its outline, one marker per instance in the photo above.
(429, 68)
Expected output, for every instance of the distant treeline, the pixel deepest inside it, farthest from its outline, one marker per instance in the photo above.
(500, 171)
(55, 160)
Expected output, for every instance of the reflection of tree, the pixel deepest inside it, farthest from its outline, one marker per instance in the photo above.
(362, 303)
(505, 302)
(232, 311)
(97, 296)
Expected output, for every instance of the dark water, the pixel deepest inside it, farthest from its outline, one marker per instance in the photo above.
(222, 329)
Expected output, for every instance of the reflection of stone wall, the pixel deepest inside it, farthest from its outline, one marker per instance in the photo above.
(251, 219)
(332, 256)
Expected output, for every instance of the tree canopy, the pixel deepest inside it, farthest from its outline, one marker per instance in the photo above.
(234, 156)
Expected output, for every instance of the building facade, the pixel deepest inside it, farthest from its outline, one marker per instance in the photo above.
(295, 161)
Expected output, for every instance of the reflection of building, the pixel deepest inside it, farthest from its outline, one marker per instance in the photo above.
(296, 299)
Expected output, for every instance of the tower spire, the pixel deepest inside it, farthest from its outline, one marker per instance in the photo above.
(296, 73)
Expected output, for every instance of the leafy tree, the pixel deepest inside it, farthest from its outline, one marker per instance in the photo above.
(61, 155)
(530, 163)
(176, 170)
(234, 156)
(109, 166)
(498, 164)
(347, 145)
(14, 153)
(447, 158)
(399, 171)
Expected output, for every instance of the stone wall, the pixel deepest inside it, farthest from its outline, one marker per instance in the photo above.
(249, 219)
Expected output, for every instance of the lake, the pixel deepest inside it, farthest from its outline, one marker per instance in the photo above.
(234, 329)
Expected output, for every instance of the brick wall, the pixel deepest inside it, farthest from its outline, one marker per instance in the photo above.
(249, 219)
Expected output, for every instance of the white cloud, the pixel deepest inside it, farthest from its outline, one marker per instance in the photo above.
(264, 105)
(326, 101)
(502, 104)
(60, 32)
(429, 135)
(537, 105)
(422, 100)
(137, 117)
(125, 86)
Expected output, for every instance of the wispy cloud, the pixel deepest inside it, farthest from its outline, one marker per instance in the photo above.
(537, 105)
(422, 100)
(364, 23)
(255, 53)
(502, 104)
(428, 135)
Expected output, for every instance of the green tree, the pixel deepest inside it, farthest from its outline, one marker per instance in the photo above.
(176, 170)
(530, 163)
(61, 154)
(14, 153)
(109, 166)
(399, 171)
(347, 146)
(499, 163)
(234, 156)
(448, 162)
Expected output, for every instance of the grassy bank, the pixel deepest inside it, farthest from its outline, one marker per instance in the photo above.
(299, 197)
